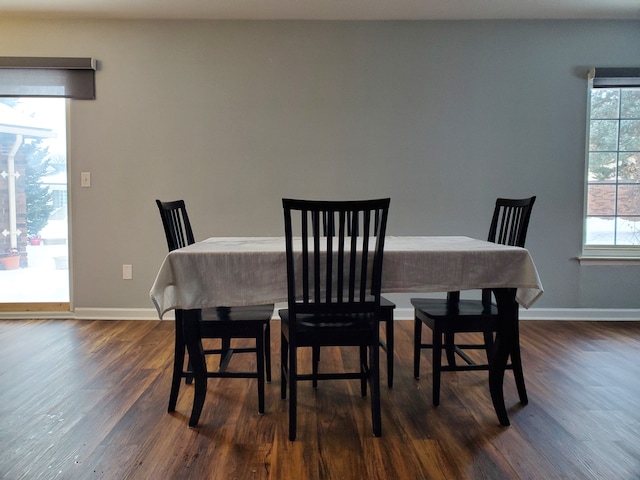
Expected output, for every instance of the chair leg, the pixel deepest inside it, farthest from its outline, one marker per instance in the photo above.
(516, 362)
(488, 344)
(267, 350)
(450, 348)
(374, 376)
(224, 355)
(437, 364)
(178, 364)
(364, 368)
(260, 368)
(192, 339)
(417, 341)
(284, 366)
(293, 392)
(200, 392)
(389, 332)
(188, 377)
(518, 374)
(315, 365)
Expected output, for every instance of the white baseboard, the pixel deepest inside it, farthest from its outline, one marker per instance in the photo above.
(591, 314)
(595, 314)
(120, 314)
(90, 314)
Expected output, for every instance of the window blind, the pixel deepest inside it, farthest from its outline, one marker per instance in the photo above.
(66, 77)
(615, 77)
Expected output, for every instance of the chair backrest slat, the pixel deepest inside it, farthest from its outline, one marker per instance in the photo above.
(334, 254)
(175, 221)
(353, 224)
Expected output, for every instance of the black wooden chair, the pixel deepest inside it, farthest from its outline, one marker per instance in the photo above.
(224, 323)
(446, 317)
(387, 307)
(334, 298)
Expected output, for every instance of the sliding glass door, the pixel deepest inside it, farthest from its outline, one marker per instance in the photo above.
(34, 246)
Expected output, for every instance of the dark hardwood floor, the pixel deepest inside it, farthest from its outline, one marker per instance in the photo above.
(87, 400)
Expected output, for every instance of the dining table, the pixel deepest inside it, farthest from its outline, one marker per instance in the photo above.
(235, 271)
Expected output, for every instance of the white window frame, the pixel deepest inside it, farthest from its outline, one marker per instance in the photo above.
(606, 254)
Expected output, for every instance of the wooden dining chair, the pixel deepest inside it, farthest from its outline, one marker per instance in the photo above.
(333, 287)
(387, 307)
(450, 316)
(226, 323)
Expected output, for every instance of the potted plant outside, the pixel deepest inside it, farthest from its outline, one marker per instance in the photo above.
(10, 260)
(35, 239)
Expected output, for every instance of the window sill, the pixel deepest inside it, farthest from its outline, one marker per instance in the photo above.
(607, 261)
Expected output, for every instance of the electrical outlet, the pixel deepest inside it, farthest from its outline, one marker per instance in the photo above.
(127, 272)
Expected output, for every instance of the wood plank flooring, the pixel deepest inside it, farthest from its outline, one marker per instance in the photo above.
(87, 400)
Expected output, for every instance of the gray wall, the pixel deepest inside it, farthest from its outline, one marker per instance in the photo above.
(231, 116)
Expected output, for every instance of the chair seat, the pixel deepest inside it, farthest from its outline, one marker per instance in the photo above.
(315, 323)
(245, 313)
(438, 307)
(470, 315)
(236, 322)
(387, 307)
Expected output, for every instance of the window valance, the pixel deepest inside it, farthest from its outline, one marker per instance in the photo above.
(615, 77)
(66, 77)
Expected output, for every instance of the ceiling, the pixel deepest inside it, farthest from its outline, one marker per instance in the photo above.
(325, 9)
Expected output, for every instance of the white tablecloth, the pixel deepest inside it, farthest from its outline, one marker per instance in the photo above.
(250, 270)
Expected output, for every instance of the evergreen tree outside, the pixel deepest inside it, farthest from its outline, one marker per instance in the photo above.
(614, 128)
(39, 197)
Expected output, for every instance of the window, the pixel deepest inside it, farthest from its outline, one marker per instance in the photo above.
(612, 224)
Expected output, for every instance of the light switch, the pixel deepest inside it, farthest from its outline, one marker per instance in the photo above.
(85, 179)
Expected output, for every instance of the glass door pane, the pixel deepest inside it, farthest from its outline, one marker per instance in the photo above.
(34, 247)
